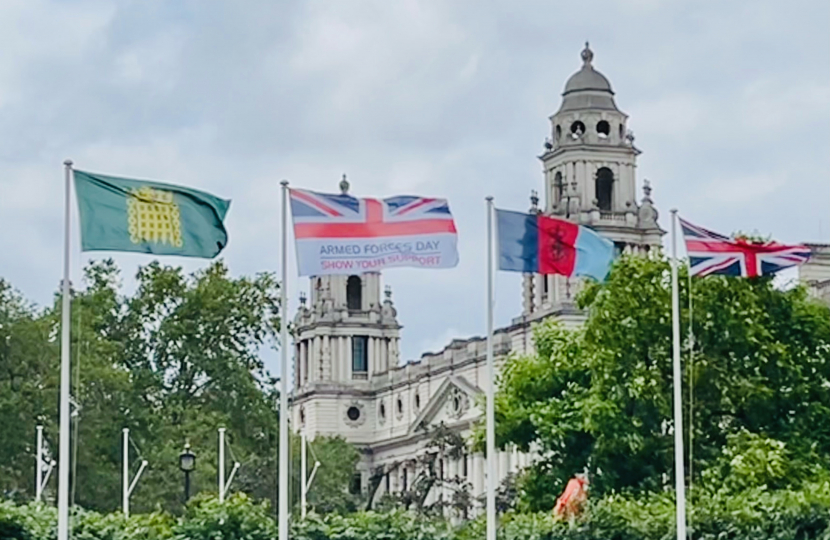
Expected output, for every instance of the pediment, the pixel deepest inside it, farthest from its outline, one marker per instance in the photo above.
(453, 401)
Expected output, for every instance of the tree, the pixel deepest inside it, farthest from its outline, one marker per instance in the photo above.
(173, 362)
(27, 374)
(600, 397)
(453, 493)
(329, 492)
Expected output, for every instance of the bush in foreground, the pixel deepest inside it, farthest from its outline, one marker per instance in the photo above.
(756, 513)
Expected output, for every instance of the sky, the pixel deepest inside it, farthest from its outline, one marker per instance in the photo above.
(729, 102)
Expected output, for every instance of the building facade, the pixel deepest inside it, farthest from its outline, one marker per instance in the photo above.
(348, 378)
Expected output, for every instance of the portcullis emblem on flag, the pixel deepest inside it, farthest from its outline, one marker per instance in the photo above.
(125, 214)
(341, 234)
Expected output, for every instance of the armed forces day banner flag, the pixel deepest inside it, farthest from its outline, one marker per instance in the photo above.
(122, 214)
(339, 233)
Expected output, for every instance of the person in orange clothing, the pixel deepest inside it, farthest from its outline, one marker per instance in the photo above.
(570, 503)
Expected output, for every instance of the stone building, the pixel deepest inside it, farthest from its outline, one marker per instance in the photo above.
(349, 378)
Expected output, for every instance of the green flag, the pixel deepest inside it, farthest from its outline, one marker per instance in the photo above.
(121, 214)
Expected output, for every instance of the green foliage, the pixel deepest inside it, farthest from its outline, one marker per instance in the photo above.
(600, 397)
(329, 492)
(394, 525)
(238, 518)
(753, 514)
(173, 361)
(28, 371)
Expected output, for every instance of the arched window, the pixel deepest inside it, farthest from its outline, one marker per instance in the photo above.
(354, 293)
(558, 187)
(604, 188)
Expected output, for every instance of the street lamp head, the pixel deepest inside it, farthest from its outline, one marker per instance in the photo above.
(187, 459)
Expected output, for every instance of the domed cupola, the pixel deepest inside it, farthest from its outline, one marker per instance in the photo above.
(587, 88)
(589, 161)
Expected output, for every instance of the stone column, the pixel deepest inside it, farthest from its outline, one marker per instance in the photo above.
(537, 290)
(348, 358)
(479, 480)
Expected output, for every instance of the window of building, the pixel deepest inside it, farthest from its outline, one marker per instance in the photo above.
(558, 132)
(354, 293)
(382, 411)
(577, 129)
(400, 406)
(356, 485)
(388, 484)
(441, 468)
(558, 187)
(417, 401)
(604, 188)
(464, 470)
(360, 354)
(403, 479)
(353, 413)
(603, 129)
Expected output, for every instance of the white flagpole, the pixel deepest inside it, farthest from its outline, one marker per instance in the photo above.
(221, 464)
(63, 453)
(679, 475)
(490, 413)
(39, 466)
(303, 475)
(125, 488)
(282, 529)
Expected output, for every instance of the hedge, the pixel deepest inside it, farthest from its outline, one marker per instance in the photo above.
(754, 514)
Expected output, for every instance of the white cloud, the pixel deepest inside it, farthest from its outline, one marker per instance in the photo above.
(729, 103)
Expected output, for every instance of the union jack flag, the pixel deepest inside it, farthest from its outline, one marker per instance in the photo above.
(713, 253)
(339, 233)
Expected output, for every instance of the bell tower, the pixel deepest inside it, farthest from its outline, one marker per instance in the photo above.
(345, 335)
(589, 165)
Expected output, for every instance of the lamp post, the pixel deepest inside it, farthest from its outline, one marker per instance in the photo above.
(187, 462)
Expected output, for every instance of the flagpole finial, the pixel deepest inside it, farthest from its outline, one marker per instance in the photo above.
(284, 183)
(67, 162)
(489, 198)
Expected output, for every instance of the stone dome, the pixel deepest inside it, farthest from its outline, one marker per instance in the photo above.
(588, 88)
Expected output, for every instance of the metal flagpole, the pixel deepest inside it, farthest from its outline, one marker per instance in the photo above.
(39, 466)
(125, 488)
(63, 451)
(282, 529)
(221, 464)
(679, 475)
(303, 475)
(491, 415)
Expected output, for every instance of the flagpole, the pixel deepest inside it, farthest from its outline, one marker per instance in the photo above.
(283, 441)
(303, 475)
(679, 475)
(63, 454)
(490, 413)
(39, 467)
(125, 463)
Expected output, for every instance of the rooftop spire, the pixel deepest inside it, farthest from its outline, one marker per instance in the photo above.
(344, 185)
(587, 54)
